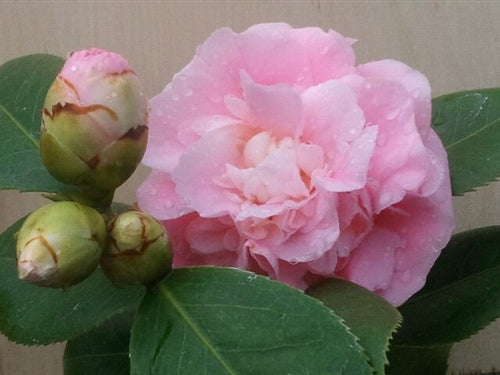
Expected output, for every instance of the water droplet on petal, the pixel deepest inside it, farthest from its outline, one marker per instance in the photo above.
(74, 68)
(391, 115)
(188, 92)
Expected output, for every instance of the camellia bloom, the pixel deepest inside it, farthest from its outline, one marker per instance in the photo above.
(272, 151)
(94, 122)
(60, 244)
(138, 251)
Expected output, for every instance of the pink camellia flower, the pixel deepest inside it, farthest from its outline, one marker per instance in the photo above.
(271, 151)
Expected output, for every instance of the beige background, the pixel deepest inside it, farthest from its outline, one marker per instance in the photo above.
(456, 44)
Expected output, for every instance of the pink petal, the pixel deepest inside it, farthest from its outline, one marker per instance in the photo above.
(273, 55)
(331, 114)
(352, 173)
(414, 82)
(276, 109)
(157, 196)
(330, 54)
(371, 265)
(196, 91)
(203, 164)
(265, 181)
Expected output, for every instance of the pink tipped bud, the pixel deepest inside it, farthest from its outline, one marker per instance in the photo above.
(94, 122)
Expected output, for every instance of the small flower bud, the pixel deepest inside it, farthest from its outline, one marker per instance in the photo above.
(60, 244)
(94, 121)
(138, 252)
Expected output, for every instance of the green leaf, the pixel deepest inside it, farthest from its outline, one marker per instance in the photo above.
(103, 351)
(34, 315)
(23, 85)
(468, 124)
(462, 294)
(368, 316)
(416, 360)
(209, 320)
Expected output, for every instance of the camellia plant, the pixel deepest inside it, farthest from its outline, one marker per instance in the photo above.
(297, 219)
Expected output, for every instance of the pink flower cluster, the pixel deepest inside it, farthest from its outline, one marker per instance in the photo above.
(271, 151)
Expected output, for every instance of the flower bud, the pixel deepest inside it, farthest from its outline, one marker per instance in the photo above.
(94, 121)
(60, 244)
(138, 251)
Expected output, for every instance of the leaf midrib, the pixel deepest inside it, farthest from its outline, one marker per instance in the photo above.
(451, 145)
(20, 126)
(187, 319)
(450, 285)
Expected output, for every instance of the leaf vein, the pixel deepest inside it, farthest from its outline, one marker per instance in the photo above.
(497, 120)
(19, 126)
(184, 316)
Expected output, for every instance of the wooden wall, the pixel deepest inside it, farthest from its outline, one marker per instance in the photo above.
(455, 43)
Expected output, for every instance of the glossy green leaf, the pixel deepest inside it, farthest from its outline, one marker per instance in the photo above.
(23, 85)
(102, 351)
(34, 315)
(462, 294)
(209, 320)
(418, 360)
(371, 318)
(468, 124)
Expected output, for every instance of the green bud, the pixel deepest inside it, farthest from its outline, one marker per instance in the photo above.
(94, 121)
(60, 244)
(138, 250)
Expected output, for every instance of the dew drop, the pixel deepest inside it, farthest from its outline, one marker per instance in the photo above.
(188, 92)
(168, 204)
(73, 68)
(391, 115)
(113, 94)
(293, 261)
(324, 50)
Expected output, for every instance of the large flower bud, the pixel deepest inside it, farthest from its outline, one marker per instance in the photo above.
(60, 244)
(94, 122)
(138, 251)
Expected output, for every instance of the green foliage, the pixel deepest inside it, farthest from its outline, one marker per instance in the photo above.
(418, 360)
(462, 294)
(23, 85)
(213, 321)
(33, 315)
(103, 351)
(468, 124)
(371, 318)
